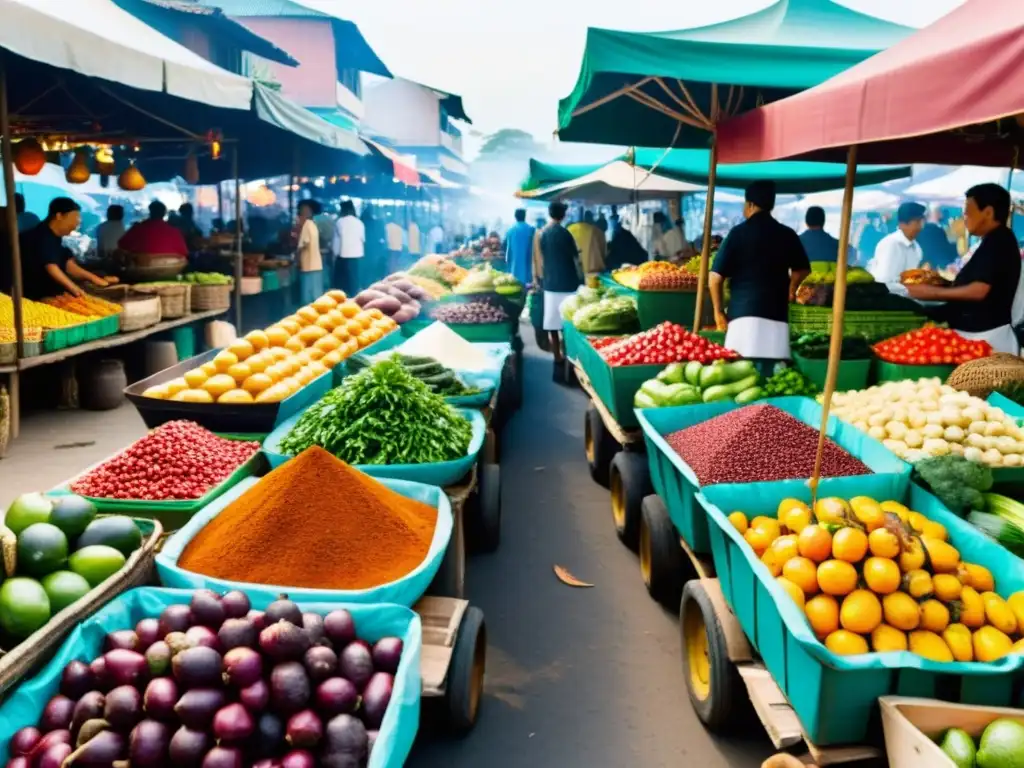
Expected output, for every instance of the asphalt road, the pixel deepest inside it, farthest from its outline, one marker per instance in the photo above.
(575, 677)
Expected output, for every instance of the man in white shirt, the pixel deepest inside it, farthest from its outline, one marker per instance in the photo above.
(311, 267)
(395, 237)
(350, 249)
(899, 251)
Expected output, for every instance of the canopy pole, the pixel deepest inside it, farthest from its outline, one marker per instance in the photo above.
(7, 153)
(705, 248)
(238, 239)
(838, 308)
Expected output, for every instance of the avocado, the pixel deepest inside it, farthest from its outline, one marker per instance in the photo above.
(24, 607)
(115, 531)
(1001, 745)
(72, 514)
(27, 509)
(42, 549)
(96, 563)
(958, 746)
(64, 588)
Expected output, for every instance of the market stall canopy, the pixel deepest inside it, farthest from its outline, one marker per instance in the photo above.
(617, 183)
(952, 186)
(666, 89)
(863, 200)
(404, 165)
(434, 178)
(950, 92)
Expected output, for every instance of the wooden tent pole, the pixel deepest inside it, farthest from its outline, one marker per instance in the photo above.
(705, 248)
(238, 239)
(838, 308)
(7, 153)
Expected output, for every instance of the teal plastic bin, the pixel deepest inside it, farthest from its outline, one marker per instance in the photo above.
(398, 731)
(835, 697)
(615, 386)
(676, 484)
(1009, 407)
(405, 591)
(895, 372)
(852, 374)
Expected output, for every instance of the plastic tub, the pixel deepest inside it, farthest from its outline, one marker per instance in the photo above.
(676, 484)
(404, 591)
(656, 307)
(895, 372)
(1008, 406)
(853, 374)
(442, 473)
(835, 696)
(25, 705)
(615, 386)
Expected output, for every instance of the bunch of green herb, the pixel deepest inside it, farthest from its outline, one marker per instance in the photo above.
(382, 415)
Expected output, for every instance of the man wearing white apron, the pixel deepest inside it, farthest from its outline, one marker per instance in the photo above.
(979, 304)
(764, 262)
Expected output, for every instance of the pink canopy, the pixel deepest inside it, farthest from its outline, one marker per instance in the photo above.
(950, 93)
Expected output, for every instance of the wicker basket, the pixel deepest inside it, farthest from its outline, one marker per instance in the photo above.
(140, 313)
(115, 293)
(984, 376)
(207, 297)
(5, 420)
(175, 300)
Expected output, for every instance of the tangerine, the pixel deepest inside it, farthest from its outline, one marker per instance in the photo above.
(785, 548)
(883, 543)
(850, 545)
(837, 577)
(758, 539)
(771, 559)
(792, 590)
(822, 614)
(882, 575)
(815, 543)
(803, 572)
(860, 612)
(739, 521)
(844, 643)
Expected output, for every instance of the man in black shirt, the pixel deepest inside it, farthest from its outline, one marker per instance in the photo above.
(979, 303)
(764, 262)
(46, 263)
(561, 278)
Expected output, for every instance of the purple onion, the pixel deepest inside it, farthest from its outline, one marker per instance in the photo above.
(76, 680)
(242, 667)
(57, 714)
(24, 741)
(236, 604)
(148, 632)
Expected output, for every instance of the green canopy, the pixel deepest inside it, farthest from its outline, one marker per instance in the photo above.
(691, 165)
(666, 89)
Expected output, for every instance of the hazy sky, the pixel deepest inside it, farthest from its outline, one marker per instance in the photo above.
(512, 60)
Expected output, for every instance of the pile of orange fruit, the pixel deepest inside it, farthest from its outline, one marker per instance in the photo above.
(87, 306)
(877, 577)
(270, 365)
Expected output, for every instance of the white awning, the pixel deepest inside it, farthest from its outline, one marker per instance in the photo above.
(954, 185)
(99, 39)
(863, 200)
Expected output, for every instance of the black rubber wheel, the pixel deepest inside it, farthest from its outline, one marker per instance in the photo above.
(450, 580)
(484, 524)
(715, 687)
(599, 445)
(570, 374)
(491, 451)
(662, 562)
(629, 480)
(542, 339)
(465, 682)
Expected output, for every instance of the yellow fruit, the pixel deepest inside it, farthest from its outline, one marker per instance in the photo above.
(868, 512)
(315, 353)
(240, 371)
(1018, 647)
(219, 384)
(789, 504)
(930, 646)
(918, 584)
(292, 325)
(822, 614)
(308, 314)
(815, 543)
(324, 304)
(174, 386)
(837, 577)
(797, 518)
(849, 544)
(208, 368)
(844, 643)
(257, 383)
(242, 349)
(901, 611)
(768, 524)
(917, 521)
(328, 343)
(991, 644)
(311, 334)
(276, 372)
(258, 363)
(792, 590)
(235, 397)
(802, 572)
(771, 560)
(258, 339)
(277, 335)
(980, 578)
(281, 353)
(225, 360)
(881, 575)
(934, 616)
(739, 521)
(935, 530)
(336, 318)
(998, 613)
(333, 359)
(947, 587)
(758, 539)
(786, 547)
(325, 322)
(895, 508)
(912, 558)
(193, 396)
(294, 344)
(886, 638)
(861, 612)
(883, 543)
(304, 376)
(831, 510)
(1016, 603)
(944, 557)
(972, 608)
(958, 638)
(337, 294)
(196, 377)
(158, 392)
(274, 394)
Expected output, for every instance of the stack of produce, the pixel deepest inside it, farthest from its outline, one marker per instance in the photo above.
(631, 277)
(880, 577)
(603, 342)
(398, 299)
(9, 336)
(931, 346)
(269, 366)
(382, 415)
(789, 382)
(664, 344)
(88, 306)
(664, 280)
(815, 346)
(276, 532)
(56, 551)
(439, 268)
(862, 292)
(915, 419)
(1000, 744)
(486, 279)
(922, 277)
(207, 278)
(441, 343)
(612, 314)
(215, 684)
(177, 461)
(432, 288)
(35, 314)
(693, 265)
(584, 295)
(758, 443)
(470, 313)
(505, 283)
(439, 379)
(691, 383)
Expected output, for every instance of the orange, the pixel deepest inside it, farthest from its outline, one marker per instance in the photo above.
(901, 611)
(918, 584)
(769, 524)
(786, 505)
(328, 343)
(815, 543)
(785, 548)
(336, 294)
(792, 590)
(849, 544)
(341, 333)
(739, 521)
(240, 371)
(868, 512)
(219, 384)
(336, 318)
(980, 578)
(258, 339)
(886, 638)
(280, 353)
(860, 612)
(294, 344)
(331, 359)
(934, 616)
(843, 643)
(259, 362)
(883, 543)
(315, 353)
(257, 383)
(991, 644)
(934, 530)
(324, 304)
(326, 322)
(822, 614)
(802, 572)
(241, 348)
(353, 326)
(312, 333)
(771, 559)
(308, 314)
(758, 539)
(292, 326)
(224, 360)
(881, 575)
(196, 377)
(837, 577)
(365, 318)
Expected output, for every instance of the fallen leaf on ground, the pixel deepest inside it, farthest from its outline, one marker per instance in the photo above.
(567, 578)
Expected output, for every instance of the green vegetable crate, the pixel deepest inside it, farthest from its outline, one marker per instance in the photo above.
(656, 307)
(575, 340)
(56, 339)
(616, 385)
(836, 697)
(895, 372)
(852, 374)
(806, 319)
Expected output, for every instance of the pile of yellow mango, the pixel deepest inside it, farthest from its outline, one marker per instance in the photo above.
(877, 577)
(37, 315)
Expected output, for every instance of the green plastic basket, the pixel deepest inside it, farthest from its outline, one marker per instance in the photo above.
(103, 327)
(656, 307)
(852, 374)
(895, 372)
(718, 337)
(616, 386)
(484, 332)
(804, 319)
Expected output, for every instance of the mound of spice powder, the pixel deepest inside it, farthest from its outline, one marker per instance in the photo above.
(314, 522)
(755, 444)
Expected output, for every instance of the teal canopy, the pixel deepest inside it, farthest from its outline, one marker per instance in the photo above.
(691, 165)
(666, 89)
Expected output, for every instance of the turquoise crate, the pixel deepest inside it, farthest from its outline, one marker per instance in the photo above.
(896, 372)
(853, 374)
(1009, 407)
(835, 697)
(678, 483)
(575, 340)
(615, 386)
(103, 327)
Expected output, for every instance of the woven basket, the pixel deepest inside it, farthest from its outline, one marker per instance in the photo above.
(175, 300)
(5, 420)
(140, 569)
(115, 293)
(140, 313)
(982, 377)
(207, 297)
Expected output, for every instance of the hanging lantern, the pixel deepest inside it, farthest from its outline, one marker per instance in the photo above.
(104, 161)
(78, 171)
(29, 157)
(131, 179)
(191, 169)
(215, 149)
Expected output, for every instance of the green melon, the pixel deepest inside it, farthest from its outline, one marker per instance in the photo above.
(24, 607)
(96, 563)
(64, 588)
(42, 549)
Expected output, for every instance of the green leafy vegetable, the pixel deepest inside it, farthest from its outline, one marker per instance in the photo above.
(955, 481)
(789, 381)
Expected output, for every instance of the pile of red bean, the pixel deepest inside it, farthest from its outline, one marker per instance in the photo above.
(755, 444)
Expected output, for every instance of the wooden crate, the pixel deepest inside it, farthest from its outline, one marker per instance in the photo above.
(441, 617)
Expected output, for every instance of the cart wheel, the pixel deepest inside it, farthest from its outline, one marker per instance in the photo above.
(542, 339)
(485, 522)
(712, 681)
(491, 447)
(466, 672)
(511, 387)
(450, 580)
(570, 374)
(661, 557)
(599, 445)
(630, 482)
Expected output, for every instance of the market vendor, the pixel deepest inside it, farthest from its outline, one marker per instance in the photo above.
(155, 236)
(47, 265)
(764, 262)
(561, 274)
(979, 303)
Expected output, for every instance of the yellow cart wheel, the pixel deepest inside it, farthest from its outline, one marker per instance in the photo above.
(663, 565)
(629, 482)
(715, 688)
(599, 446)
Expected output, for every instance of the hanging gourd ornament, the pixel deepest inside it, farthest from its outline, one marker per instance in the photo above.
(131, 179)
(78, 172)
(29, 157)
(105, 161)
